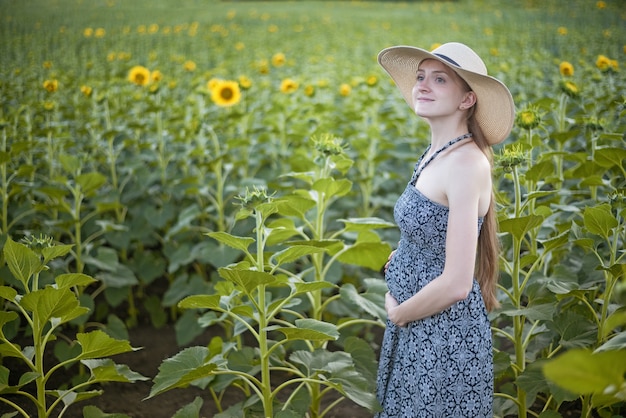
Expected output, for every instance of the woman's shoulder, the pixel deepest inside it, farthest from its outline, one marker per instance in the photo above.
(469, 162)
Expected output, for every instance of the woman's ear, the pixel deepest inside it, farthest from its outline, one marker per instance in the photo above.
(469, 100)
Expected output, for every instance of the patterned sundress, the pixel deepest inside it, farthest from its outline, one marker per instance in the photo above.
(440, 366)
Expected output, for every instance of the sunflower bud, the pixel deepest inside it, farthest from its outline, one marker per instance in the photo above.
(528, 118)
(510, 157)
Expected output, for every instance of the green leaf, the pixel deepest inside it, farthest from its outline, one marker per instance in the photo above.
(184, 368)
(518, 227)
(543, 312)
(617, 342)
(22, 261)
(306, 287)
(372, 255)
(8, 293)
(94, 412)
(239, 243)
(329, 187)
(310, 329)
(71, 397)
(105, 370)
(248, 280)
(540, 170)
(365, 224)
(295, 205)
(609, 157)
(372, 303)
(200, 302)
(583, 372)
(90, 182)
(293, 253)
(97, 344)
(49, 303)
(73, 279)
(614, 320)
(599, 220)
(191, 410)
(50, 253)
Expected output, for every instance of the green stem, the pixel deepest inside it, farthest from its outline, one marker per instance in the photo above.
(266, 385)
(5, 188)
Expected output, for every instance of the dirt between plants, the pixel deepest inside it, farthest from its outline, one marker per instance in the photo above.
(158, 345)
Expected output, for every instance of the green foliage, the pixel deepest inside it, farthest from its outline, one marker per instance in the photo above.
(46, 309)
(132, 179)
(281, 293)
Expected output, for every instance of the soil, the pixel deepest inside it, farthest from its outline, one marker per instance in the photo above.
(128, 398)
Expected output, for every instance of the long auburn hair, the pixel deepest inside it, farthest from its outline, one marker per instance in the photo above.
(487, 262)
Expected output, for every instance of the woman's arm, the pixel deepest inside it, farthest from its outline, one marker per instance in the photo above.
(464, 187)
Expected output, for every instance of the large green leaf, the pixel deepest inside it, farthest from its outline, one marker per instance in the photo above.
(610, 156)
(248, 280)
(91, 182)
(22, 261)
(239, 243)
(105, 370)
(370, 302)
(200, 302)
(295, 205)
(73, 279)
(372, 255)
(365, 224)
(330, 187)
(97, 344)
(599, 220)
(617, 342)
(518, 227)
(8, 293)
(91, 411)
(293, 253)
(310, 329)
(50, 253)
(184, 368)
(583, 372)
(191, 410)
(49, 303)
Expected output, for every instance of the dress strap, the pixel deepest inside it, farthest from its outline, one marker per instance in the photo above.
(419, 169)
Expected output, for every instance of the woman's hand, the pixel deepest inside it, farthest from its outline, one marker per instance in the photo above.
(391, 306)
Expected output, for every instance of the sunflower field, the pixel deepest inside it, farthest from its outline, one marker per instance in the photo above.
(229, 168)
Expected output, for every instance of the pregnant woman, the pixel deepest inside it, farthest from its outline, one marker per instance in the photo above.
(436, 355)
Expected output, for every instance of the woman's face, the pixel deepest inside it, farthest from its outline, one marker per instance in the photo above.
(439, 91)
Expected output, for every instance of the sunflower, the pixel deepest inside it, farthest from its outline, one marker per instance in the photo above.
(51, 85)
(156, 76)
(288, 86)
(245, 82)
(86, 90)
(189, 66)
(528, 118)
(566, 69)
(139, 75)
(570, 88)
(278, 60)
(603, 62)
(226, 93)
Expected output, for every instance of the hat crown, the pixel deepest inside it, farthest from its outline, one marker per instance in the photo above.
(461, 56)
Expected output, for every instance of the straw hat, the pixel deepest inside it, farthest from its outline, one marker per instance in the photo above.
(495, 111)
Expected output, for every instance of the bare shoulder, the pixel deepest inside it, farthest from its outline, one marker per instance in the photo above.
(470, 164)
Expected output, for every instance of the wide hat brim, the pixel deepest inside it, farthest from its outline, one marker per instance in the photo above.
(495, 110)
